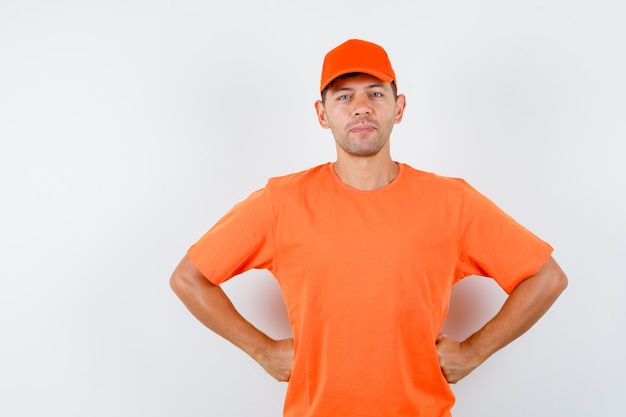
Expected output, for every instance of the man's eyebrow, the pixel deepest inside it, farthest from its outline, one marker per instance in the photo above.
(341, 89)
(374, 85)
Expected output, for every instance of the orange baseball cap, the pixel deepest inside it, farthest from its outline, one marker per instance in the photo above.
(356, 55)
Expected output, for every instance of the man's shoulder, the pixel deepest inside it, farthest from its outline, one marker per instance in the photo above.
(297, 179)
(416, 176)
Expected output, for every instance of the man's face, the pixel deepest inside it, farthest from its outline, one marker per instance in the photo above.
(360, 111)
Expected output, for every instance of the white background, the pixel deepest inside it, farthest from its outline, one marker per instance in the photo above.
(128, 128)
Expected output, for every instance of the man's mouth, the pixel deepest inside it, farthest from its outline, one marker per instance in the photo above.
(362, 128)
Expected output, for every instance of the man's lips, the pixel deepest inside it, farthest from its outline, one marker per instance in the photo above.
(362, 128)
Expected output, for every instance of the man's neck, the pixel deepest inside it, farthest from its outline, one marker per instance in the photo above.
(366, 173)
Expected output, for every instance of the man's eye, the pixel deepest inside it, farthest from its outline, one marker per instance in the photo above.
(343, 97)
(376, 94)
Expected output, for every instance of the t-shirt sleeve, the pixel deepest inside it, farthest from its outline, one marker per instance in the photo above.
(493, 244)
(239, 241)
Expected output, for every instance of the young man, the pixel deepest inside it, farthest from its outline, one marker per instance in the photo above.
(366, 251)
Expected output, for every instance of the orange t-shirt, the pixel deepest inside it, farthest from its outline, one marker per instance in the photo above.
(366, 277)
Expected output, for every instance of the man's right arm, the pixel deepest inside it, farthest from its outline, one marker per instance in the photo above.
(212, 307)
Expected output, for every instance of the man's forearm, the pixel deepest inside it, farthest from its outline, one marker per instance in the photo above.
(528, 302)
(212, 307)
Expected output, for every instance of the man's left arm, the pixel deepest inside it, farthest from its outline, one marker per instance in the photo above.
(526, 304)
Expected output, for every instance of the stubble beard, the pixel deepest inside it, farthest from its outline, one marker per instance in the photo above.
(361, 147)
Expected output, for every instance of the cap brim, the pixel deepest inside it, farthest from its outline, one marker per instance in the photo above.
(378, 74)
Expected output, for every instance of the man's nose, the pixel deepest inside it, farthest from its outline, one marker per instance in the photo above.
(361, 107)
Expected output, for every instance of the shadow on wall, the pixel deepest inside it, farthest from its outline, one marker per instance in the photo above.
(257, 296)
(473, 302)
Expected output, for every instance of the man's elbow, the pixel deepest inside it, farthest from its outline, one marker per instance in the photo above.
(179, 283)
(176, 282)
(183, 278)
(558, 279)
(562, 282)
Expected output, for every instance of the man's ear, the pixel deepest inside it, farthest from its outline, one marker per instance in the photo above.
(400, 106)
(321, 114)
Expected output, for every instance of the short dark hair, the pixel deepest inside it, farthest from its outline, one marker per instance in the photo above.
(350, 75)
